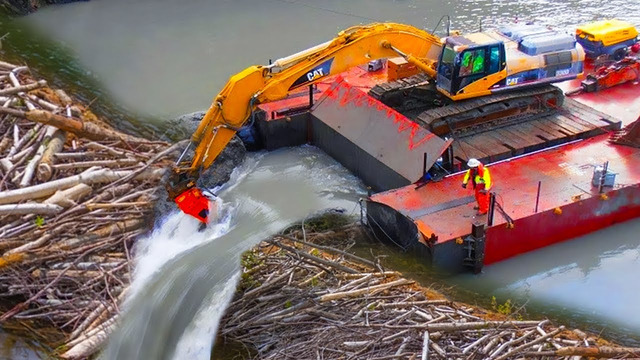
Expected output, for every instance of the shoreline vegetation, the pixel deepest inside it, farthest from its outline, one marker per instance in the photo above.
(75, 194)
(303, 295)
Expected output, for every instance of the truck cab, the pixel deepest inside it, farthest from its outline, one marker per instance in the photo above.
(608, 37)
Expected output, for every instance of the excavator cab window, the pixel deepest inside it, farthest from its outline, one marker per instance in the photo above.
(475, 63)
(446, 67)
(495, 59)
(447, 62)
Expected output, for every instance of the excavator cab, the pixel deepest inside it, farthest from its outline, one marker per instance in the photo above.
(462, 64)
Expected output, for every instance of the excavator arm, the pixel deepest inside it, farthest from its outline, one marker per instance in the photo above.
(233, 106)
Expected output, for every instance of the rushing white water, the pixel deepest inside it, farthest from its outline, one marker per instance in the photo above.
(184, 278)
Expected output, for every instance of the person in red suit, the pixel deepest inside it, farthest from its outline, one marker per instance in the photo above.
(480, 182)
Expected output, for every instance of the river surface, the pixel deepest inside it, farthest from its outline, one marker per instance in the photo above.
(161, 58)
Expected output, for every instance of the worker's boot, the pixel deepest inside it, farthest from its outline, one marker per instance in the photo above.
(476, 207)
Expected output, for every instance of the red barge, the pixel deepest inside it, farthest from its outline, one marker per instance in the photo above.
(543, 169)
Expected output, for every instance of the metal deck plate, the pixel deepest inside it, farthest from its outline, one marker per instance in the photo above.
(382, 132)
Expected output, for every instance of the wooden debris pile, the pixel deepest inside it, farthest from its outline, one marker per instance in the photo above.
(304, 300)
(74, 195)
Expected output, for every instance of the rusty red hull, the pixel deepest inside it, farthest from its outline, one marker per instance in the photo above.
(547, 227)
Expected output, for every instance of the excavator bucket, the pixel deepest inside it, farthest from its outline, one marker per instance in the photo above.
(193, 202)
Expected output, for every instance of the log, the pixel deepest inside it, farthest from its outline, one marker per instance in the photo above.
(102, 163)
(4, 143)
(77, 274)
(425, 346)
(458, 326)
(30, 245)
(375, 274)
(23, 88)
(8, 66)
(17, 144)
(33, 163)
(474, 344)
(530, 343)
(64, 98)
(91, 343)
(95, 206)
(512, 342)
(114, 228)
(45, 104)
(90, 176)
(69, 197)
(79, 128)
(24, 152)
(100, 313)
(331, 249)
(314, 258)
(16, 134)
(369, 290)
(594, 352)
(6, 165)
(414, 303)
(30, 208)
(7, 110)
(55, 145)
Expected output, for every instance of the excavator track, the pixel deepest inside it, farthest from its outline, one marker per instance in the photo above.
(493, 111)
(410, 95)
(446, 118)
(381, 90)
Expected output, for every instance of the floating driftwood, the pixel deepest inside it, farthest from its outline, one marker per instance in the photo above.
(74, 195)
(309, 299)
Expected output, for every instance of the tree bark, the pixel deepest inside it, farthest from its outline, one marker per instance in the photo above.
(90, 176)
(30, 208)
(69, 197)
(91, 343)
(27, 87)
(598, 352)
(372, 289)
(33, 163)
(45, 168)
(81, 129)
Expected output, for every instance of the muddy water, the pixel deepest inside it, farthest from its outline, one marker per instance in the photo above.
(167, 58)
(161, 58)
(14, 348)
(593, 279)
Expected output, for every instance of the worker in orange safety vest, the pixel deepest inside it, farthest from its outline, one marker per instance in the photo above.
(481, 183)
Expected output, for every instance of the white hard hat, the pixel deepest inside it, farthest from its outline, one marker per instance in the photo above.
(473, 163)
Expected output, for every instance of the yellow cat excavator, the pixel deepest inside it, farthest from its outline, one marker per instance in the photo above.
(464, 67)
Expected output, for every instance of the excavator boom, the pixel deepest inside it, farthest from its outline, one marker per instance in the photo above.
(355, 46)
(234, 105)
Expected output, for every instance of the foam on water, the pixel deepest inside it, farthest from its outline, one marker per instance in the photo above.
(184, 278)
(153, 251)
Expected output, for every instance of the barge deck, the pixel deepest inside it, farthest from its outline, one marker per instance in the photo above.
(542, 169)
